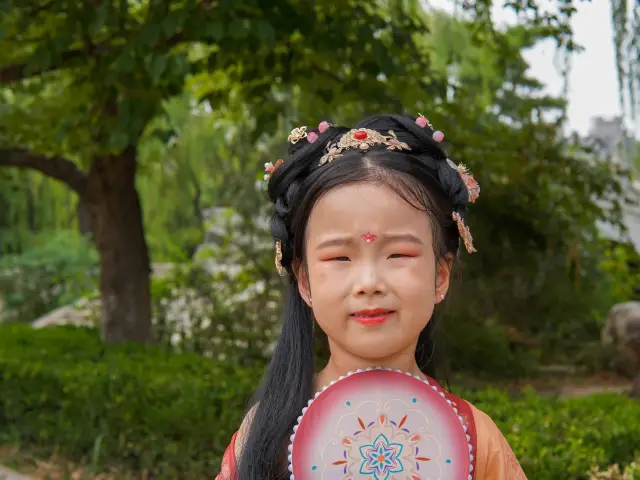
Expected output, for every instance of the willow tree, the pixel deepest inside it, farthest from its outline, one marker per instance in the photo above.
(626, 26)
(86, 77)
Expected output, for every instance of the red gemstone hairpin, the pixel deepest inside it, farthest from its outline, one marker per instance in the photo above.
(363, 139)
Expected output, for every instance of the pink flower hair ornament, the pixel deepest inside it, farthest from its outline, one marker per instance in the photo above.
(269, 168)
(469, 181)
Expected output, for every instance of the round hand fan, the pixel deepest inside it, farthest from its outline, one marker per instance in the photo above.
(380, 424)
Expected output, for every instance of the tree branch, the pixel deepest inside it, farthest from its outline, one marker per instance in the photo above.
(58, 168)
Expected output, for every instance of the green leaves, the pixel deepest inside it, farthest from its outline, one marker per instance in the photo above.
(157, 67)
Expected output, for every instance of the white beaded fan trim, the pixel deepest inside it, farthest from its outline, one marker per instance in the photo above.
(434, 387)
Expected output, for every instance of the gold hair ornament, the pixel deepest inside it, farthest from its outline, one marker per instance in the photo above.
(362, 138)
(278, 261)
(464, 232)
(297, 134)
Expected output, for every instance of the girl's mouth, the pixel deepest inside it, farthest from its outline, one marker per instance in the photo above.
(372, 317)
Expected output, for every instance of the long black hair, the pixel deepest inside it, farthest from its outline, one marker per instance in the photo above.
(424, 178)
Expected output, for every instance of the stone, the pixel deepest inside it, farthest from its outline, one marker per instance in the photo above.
(621, 333)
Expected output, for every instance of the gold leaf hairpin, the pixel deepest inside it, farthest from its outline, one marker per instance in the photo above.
(297, 134)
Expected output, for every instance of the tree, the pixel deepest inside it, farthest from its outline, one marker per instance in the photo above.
(626, 26)
(535, 225)
(84, 78)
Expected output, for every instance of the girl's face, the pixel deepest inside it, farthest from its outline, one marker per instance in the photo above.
(371, 273)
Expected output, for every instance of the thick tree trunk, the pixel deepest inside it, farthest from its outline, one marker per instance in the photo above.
(635, 388)
(116, 224)
(84, 217)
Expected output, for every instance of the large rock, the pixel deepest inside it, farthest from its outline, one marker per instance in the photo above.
(84, 313)
(622, 333)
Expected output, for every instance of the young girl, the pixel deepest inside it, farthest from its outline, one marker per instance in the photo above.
(368, 226)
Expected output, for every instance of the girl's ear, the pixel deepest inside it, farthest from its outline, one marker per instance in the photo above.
(302, 279)
(443, 275)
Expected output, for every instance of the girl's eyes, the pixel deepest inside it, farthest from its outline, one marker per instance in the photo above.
(346, 259)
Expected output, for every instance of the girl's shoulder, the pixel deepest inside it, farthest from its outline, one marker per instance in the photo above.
(492, 457)
(228, 467)
(233, 451)
(495, 456)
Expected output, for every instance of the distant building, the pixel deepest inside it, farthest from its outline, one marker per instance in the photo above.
(615, 143)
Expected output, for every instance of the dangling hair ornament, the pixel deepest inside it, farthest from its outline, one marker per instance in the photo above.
(278, 261)
(464, 232)
(362, 138)
(269, 168)
(423, 122)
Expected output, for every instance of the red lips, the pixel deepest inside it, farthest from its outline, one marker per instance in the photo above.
(372, 317)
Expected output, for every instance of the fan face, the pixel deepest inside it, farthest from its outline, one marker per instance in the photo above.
(380, 425)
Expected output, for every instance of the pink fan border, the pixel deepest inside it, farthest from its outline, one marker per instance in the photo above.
(425, 381)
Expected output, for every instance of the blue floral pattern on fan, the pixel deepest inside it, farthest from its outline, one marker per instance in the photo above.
(381, 458)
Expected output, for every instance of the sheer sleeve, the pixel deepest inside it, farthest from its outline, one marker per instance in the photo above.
(495, 459)
(228, 468)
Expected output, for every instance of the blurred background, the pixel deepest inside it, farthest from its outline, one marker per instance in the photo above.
(139, 302)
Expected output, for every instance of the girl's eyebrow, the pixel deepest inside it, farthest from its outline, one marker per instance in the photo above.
(402, 237)
(387, 237)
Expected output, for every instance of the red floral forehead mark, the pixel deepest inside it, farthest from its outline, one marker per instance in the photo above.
(369, 237)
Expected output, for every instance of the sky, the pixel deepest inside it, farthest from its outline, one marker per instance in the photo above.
(593, 83)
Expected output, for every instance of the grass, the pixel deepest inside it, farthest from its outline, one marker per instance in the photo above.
(32, 462)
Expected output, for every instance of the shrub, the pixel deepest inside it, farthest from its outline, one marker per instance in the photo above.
(141, 407)
(131, 406)
(564, 437)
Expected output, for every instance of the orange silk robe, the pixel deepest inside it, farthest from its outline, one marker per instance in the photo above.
(494, 458)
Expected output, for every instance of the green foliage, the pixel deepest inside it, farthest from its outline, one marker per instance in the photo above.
(174, 414)
(54, 270)
(564, 437)
(106, 70)
(30, 204)
(130, 406)
(535, 225)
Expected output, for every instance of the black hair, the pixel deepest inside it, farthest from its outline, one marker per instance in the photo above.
(423, 177)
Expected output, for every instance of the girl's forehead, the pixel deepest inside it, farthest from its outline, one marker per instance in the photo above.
(363, 208)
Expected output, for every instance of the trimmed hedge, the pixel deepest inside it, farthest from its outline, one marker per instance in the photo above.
(130, 406)
(558, 438)
(173, 414)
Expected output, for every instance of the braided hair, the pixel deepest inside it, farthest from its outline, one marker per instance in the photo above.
(422, 175)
